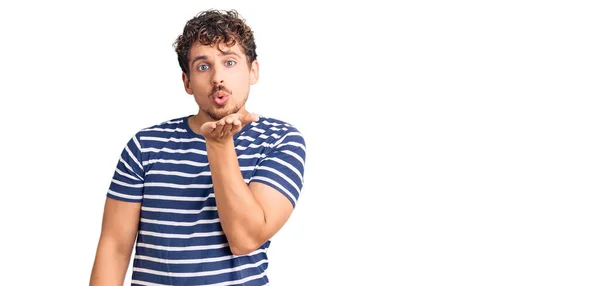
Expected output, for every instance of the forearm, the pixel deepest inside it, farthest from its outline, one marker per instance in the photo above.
(241, 216)
(110, 265)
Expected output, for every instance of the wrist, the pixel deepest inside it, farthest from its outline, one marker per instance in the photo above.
(219, 143)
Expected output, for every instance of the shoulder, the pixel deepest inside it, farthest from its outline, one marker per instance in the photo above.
(278, 130)
(170, 127)
(161, 132)
(172, 123)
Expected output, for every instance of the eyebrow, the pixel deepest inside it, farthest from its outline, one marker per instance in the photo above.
(204, 57)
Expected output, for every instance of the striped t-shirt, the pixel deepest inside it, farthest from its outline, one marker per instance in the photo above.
(180, 239)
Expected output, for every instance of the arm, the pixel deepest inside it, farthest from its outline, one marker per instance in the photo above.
(250, 214)
(120, 220)
(119, 229)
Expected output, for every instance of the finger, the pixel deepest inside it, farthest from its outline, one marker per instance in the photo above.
(236, 129)
(249, 117)
(218, 127)
(227, 127)
(208, 127)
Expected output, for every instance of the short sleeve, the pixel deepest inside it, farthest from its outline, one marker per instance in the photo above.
(283, 166)
(128, 179)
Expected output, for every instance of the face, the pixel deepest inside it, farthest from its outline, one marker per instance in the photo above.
(220, 80)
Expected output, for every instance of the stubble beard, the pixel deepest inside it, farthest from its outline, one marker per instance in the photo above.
(219, 113)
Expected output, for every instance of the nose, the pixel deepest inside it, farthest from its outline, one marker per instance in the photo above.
(217, 77)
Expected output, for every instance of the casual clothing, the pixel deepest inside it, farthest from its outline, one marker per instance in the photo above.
(180, 239)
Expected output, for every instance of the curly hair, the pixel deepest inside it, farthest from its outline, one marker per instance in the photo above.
(214, 27)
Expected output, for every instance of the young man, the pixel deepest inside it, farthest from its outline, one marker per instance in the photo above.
(203, 194)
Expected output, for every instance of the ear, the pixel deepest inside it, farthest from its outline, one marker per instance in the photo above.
(186, 83)
(254, 72)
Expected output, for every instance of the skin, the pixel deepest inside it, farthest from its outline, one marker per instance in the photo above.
(119, 230)
(250, 214)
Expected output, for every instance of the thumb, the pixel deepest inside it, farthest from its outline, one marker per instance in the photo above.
(249, 117)
(208, 127)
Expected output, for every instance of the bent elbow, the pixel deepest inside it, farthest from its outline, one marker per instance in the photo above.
(243, 249)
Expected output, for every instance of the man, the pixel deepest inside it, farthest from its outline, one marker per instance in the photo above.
(203, 194)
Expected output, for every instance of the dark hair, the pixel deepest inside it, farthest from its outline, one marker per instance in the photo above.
(214, 27)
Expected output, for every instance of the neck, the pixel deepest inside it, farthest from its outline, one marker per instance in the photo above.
(198, 119)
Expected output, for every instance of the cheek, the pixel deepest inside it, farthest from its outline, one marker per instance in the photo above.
(241, 86)
(201, 86)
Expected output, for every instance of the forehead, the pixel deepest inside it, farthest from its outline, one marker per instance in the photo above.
(215, 50)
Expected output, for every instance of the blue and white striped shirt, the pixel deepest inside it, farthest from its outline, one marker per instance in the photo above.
(180, 239)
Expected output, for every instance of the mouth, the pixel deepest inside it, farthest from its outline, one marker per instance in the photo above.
(220, 98)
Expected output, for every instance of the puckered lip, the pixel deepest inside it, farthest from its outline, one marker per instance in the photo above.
(220, 94)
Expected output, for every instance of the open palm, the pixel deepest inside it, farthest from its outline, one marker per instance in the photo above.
(227, 126)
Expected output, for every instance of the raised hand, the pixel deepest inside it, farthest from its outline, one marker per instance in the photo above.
(226, 127)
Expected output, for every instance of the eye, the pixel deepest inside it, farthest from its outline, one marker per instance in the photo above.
(230, 63)
(203, 67)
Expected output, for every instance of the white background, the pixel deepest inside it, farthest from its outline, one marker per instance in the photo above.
(449, 142)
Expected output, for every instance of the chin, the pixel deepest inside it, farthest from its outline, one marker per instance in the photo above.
(220, 113)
